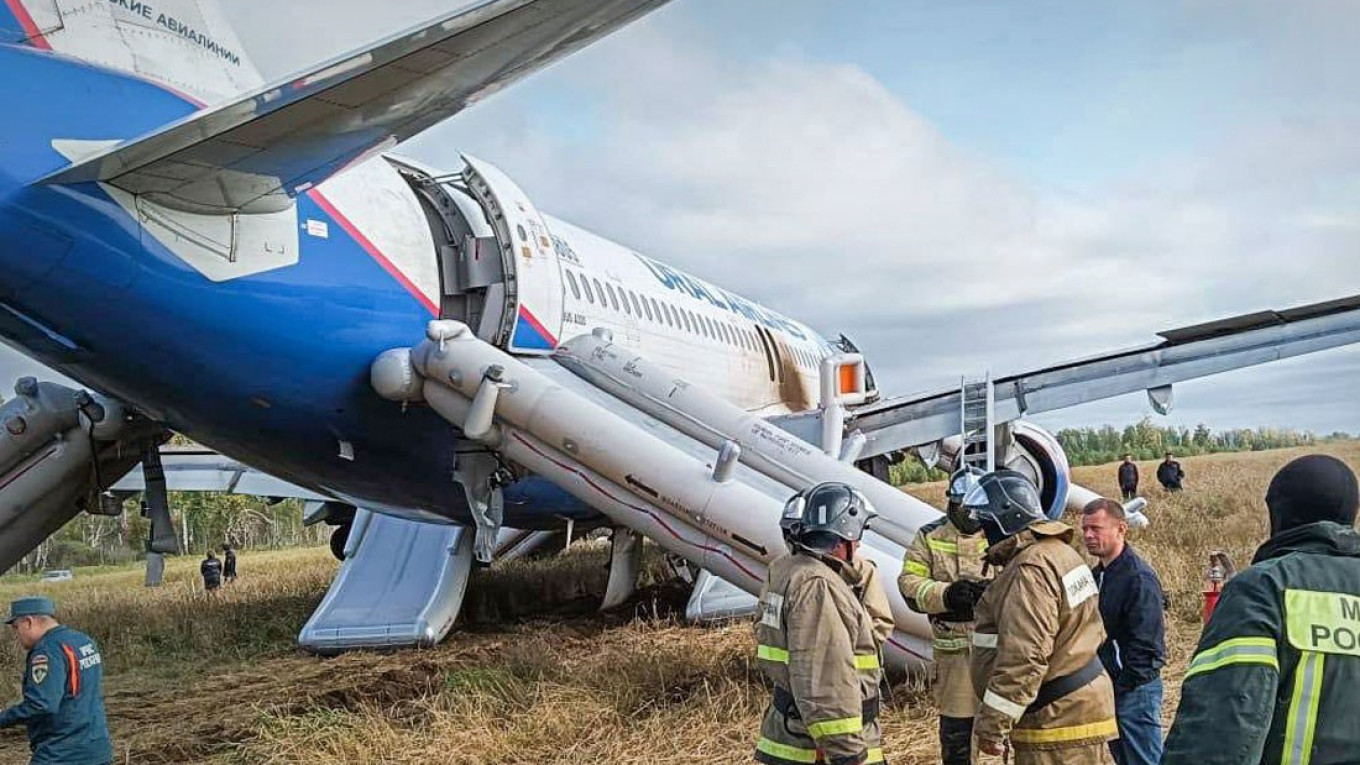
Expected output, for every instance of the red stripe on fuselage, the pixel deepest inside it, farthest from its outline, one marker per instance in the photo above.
(35, 36)
(525, 314)
(372, 250)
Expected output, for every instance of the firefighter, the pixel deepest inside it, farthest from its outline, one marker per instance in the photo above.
(817, 641)
(943, 578)
(63, 704)
(1042, 687)
(1276, 677)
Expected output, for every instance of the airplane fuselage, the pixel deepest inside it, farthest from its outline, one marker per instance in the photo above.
(269, 361)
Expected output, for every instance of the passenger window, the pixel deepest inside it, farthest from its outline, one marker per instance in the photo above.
(585, 285)
(571, 281)
(669, 312)
(623, 298)
(612, 298)
(689, 325)
(637, 307)
(656, 307)
(599, 290)
(648, 307)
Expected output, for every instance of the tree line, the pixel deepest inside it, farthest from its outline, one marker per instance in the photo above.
(203, 520)
(1145, 441)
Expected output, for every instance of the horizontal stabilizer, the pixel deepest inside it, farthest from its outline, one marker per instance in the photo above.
(255, 154)
(1183, 354)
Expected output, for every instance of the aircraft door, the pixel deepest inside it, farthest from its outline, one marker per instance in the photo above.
(533, 275)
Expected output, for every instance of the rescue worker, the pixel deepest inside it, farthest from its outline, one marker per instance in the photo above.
(1276, 677)
(943, 577)
(817, 640)
(1035, 669)
(211, 569)
(63, 704)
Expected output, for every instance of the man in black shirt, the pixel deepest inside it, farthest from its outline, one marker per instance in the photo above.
(1169, 473)
(211, 569)
(228, 564)
(1131, 604)
(1128, 477)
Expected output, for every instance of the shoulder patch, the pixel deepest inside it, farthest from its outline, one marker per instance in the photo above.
(772, 610)
(1079, 586)
(38, 668)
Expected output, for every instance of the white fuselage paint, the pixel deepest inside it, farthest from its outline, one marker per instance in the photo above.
(687, 325)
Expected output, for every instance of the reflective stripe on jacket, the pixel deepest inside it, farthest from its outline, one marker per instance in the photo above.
(1276, 677)
(1038, 621)
(817, 645)
(941, 554)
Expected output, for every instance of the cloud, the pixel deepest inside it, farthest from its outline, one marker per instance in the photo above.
(812, 187)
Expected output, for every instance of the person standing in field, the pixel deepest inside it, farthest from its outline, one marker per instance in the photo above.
(1128, 478)
(228, 564)
(1276, 677)
(1042, 688)
(211, 569)
(1169, 473)
(63, 704)
(1131, 607)
(818, 643)
(942, 577)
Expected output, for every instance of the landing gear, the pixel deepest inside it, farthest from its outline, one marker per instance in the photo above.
(339, 538)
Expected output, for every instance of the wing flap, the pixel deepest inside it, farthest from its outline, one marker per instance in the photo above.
(1184, 354)
(254, 154)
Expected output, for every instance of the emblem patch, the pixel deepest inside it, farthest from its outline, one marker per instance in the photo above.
(37, 669)
(771, 609)
(1079, 585)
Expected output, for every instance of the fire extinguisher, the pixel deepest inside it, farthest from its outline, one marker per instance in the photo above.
(1221, 569)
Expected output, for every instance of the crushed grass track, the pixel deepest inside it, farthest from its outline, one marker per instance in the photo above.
(194, 679)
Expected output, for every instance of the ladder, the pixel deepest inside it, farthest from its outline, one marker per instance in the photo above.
(977, 406)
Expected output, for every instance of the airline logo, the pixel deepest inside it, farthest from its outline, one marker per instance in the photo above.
(675, 280)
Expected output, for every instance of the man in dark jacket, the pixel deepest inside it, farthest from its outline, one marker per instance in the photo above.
(211, 569)
(1128, 477)
(1169, 473)
(228, 564)
(1131, 604)
(1276, 678)
(63, 704)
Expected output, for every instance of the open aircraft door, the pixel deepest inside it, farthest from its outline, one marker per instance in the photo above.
(533, 275)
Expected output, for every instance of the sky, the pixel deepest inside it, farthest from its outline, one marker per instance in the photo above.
(959, 187)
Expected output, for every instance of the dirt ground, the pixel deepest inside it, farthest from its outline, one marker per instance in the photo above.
(194, 679)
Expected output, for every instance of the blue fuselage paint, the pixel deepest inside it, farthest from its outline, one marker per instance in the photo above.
(271, 368)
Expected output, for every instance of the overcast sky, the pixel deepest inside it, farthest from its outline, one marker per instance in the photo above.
(956, 186)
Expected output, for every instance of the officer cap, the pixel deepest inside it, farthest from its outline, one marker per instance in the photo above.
(31, 606)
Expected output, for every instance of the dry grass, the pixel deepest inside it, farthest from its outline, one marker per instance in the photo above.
(194, 679)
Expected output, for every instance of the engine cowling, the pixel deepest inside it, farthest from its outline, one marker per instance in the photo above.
(1023, 447)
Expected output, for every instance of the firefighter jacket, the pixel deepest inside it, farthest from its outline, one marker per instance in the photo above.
(1276, 678)
(941, 554)
(818, 647)
(862, 576)
(63, 704)
(1038, 623)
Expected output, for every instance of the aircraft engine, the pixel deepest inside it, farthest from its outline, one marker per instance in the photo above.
(1023, 447)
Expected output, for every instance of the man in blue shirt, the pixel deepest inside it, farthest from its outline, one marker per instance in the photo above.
(1131, 605)
(63, 704)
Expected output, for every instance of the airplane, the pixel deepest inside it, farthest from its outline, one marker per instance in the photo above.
(251, 264)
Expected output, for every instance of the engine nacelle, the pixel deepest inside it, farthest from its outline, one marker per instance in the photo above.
(1023, 447)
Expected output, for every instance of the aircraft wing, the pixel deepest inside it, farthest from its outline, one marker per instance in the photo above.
(255, 154)
(203, 470)
(1182, 354)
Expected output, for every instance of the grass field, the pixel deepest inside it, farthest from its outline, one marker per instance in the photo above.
(193, 678)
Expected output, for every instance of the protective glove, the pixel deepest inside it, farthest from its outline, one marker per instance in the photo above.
(961, 596)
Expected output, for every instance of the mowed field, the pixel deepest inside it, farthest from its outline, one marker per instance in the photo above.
(533, 676)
